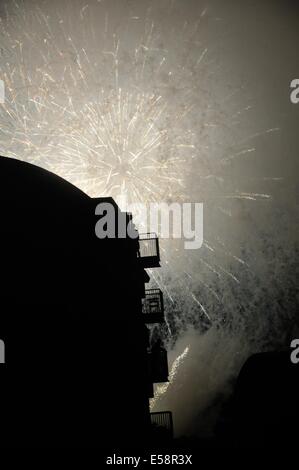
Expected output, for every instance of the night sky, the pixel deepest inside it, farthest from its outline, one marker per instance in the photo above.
(176, 101)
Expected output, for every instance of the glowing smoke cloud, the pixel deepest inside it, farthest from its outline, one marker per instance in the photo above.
(126, 98)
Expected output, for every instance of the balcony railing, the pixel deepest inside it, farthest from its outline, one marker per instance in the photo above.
(162, 424)
(149, 253)
(152, 306)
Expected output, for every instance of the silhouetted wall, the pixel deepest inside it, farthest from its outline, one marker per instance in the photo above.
(76, 370)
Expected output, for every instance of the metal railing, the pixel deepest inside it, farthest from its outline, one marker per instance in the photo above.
(149, 249)
(153, 306)
(163, 421)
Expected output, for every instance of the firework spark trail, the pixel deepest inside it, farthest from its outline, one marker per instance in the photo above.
(162, 389)
(106, 123)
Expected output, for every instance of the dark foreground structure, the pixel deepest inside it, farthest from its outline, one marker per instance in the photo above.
(263, 411)
(266, 412)
(79, 368)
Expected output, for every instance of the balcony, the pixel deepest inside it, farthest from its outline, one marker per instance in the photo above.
(153, 307)
(162, 425)
(158, 365)
(149, 252)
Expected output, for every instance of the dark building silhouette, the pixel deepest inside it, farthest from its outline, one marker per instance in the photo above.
(266, 407)
(75, 312)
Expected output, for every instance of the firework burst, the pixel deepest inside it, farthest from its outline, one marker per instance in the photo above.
(128, 101)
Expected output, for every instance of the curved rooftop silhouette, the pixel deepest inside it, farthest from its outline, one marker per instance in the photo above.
(76, 340)
(30, 179)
